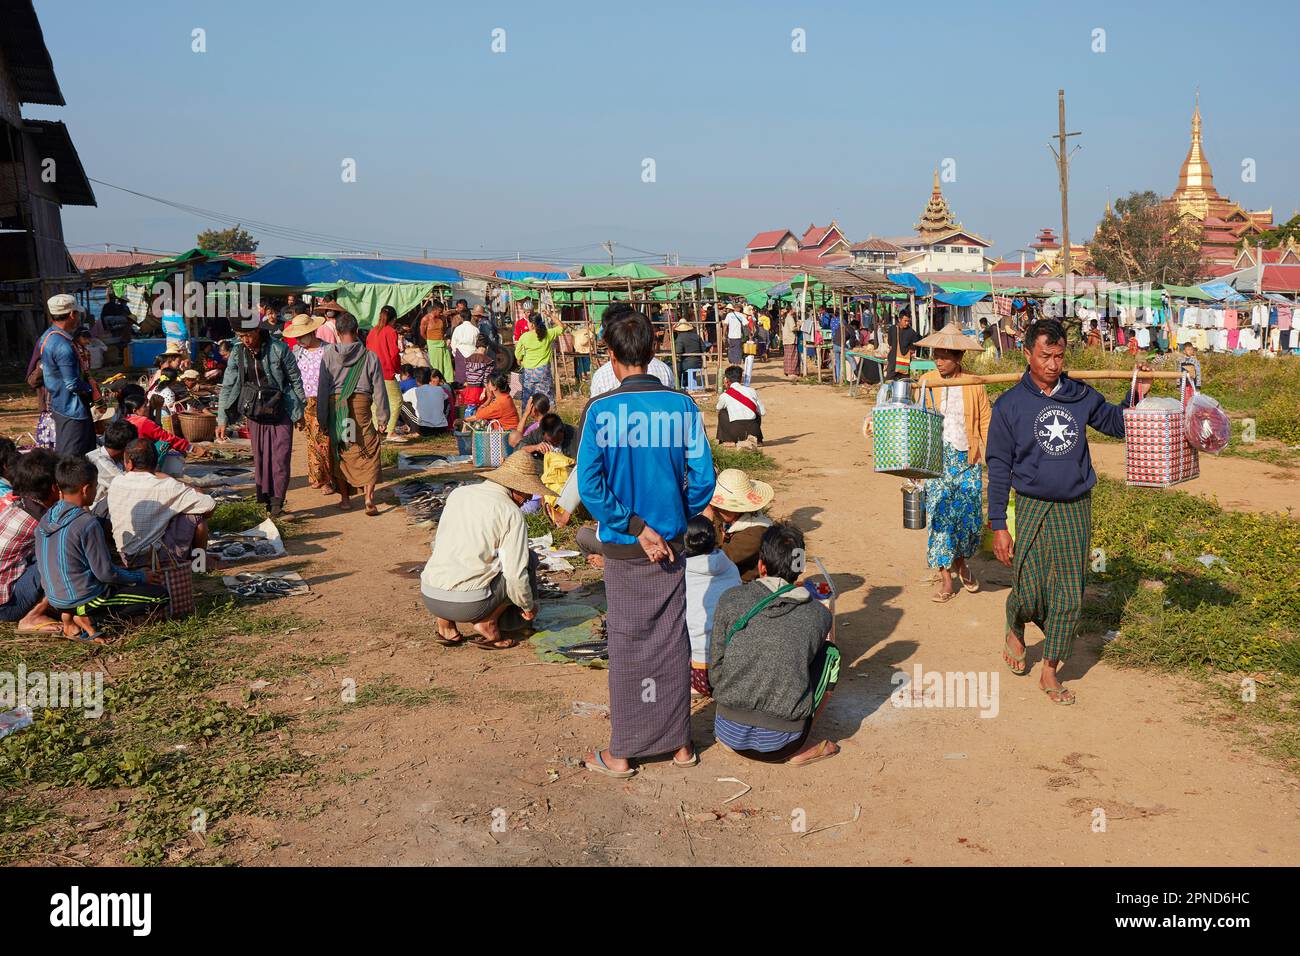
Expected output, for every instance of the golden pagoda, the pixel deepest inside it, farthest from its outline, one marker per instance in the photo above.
(936, 219)
(1222, 222)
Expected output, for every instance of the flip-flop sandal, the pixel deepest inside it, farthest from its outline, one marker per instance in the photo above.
(371, 510)
(693, 762)
(1017, 658)
(86, 637)
(971, 588)
(448, 642)
(944, 598)
(599, 767)
(822, 753)
(509, 643)
(1065, 698)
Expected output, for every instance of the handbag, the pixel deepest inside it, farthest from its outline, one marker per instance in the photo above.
(178, 578)
(36, 377)
(489, 446)
(259, 403)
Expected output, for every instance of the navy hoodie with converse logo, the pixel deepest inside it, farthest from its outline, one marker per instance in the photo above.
(1037, 443)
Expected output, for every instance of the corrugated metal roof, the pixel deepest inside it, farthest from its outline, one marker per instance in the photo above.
(54, 142)
(27, 56)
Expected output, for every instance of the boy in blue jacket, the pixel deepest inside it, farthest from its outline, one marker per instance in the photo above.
(81, 581)
(1038, 445)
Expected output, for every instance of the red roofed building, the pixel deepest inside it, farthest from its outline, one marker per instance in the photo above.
(820, 246)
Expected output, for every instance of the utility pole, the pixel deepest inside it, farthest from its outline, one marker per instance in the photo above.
(1063, 169)
(608, 245)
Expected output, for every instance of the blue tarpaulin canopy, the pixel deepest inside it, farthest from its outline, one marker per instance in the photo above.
(1221, 291)
(959, 298)
(910, 280)
(523, 275)
(299, 273)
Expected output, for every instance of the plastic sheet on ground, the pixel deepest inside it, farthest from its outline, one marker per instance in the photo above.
(263, 586)
(560, 625)
(217, 475)
(261, 541)
(421, 462)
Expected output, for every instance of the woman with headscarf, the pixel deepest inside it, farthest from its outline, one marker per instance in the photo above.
(350, 399)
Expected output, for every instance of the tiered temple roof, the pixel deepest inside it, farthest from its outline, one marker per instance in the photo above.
(936, 219)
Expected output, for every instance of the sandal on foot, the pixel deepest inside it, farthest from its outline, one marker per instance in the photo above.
(458, 641)
(54, 627)
(1014, 658)
(942, 598)
(86, 637)
(694, 761)
(501, 644)
(972, 587)
(1063, 697)
(827, 748)
(599, 766)
(371, 510)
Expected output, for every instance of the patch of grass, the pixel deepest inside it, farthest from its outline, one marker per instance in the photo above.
(230, 516)
(162, 736)
(751, 462)
(1238, 617)
(384, 691)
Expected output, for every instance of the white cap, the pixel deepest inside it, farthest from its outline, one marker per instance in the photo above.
(62, 304)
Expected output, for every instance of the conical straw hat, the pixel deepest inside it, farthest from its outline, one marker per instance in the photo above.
(951, 337)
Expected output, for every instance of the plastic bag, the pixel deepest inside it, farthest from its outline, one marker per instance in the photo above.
(1206, 424)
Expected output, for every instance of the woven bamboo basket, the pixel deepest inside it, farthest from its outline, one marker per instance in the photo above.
(197, 426)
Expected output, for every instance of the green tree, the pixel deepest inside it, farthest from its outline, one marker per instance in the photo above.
(1279, 235)
(228, 241)
(1145, 240)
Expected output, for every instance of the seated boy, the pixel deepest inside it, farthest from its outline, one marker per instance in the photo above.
(740, 413)
(772, 662)
(709, 574)
(81, 582)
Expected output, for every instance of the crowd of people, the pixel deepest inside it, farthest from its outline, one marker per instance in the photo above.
(703, 586)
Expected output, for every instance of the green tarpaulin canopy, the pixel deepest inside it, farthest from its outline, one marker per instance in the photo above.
(629, 270)
(1189, 292)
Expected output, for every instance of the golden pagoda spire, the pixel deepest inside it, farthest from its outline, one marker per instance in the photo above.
(936, 217)
(1196, 179)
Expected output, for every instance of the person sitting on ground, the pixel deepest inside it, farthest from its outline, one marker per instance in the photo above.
(9, 456)
(406, 378)
(535, 408)
(709, 574)
(497, 405)
(773, 662)
(109, 460)
(83, 585)
(556, 444)
(481, 565)
(22, 598)
(736, 510)
(149, 509)
(424, 408)
(132, 406)
(740, 412)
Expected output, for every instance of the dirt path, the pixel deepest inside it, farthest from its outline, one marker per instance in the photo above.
(934, 786)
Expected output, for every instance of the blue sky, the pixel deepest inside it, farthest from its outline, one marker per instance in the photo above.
(539, 149)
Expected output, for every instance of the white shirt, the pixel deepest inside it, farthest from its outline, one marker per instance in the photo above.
(482, 533)
(735, 325)
(953, 407)
(736, 411)
(604, 380)
(141, 505)
(429, 403)
(109, 471)
(464, 338)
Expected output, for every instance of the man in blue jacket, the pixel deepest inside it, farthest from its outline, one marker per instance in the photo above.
(69, 391)
(1038, 445)
(644, 468)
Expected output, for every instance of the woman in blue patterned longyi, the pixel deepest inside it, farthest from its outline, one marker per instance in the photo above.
(955, 500)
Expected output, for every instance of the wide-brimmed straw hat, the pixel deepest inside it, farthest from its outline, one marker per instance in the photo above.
(170, 352)
(951, 337)
(519, 473)
(736, 491)
(683, 326)
(324, 307)
(302, 324)
(190, 374)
